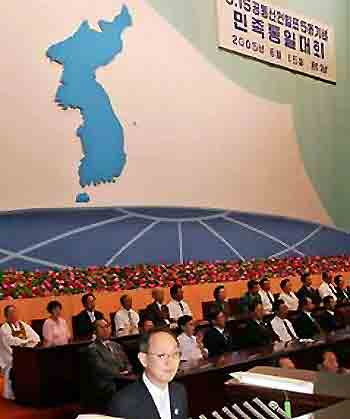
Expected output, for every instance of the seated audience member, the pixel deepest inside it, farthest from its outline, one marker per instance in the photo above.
(86, 318)
(220, 302)
(126, 319)
(154, 395)
(146, 325)
(252, 296)
(286, 363)
(55, 329)
(216, 339)
(157, 311)
(266, 295)
(13, 332)
(281, 325)
(105, 361)
(330, 364)
(327, 287)
(328, 321)
(257, 332)
(288, 296)
(307, 291)
(343, 294)
(305, 324)
(177, 306)
(191, 345)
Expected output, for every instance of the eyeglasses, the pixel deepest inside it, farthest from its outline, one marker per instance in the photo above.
(165, 357)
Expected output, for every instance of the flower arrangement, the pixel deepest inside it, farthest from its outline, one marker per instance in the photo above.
(23, 284)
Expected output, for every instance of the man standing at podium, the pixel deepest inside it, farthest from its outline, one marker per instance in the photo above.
(155, 396)
(13, 333)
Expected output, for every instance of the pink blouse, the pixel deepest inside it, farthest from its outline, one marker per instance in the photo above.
(55, 332)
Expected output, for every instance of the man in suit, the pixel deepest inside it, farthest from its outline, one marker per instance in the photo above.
(220, 302)
(252, 296)
(258, 332)
(305, 324)
(105, 360)
(85, 319)
(155, 396)
(307, 291)
(157, 311)
(328, 321)
(216, 339)
(343, 294)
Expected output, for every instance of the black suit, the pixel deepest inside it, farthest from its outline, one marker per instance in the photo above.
(343, 296)
(306, 328)
(99, 377)
(258, 334)
(328, 322)
(83, 325)
(225, 307)
(136, 402)
(216, 342)
(157, 316)
(308, 292)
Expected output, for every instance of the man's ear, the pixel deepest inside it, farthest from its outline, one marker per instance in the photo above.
(142, 358)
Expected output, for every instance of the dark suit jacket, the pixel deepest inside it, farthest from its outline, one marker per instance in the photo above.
(136, 402)
(224, 307)
(343, 296)
(102, 367)
(256, 334)
(328, 322)
(216, 342)
(311, 293)
(156, 315)
(305, 327)
(83, 325)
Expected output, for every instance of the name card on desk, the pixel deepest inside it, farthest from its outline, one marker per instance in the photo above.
(274, 382)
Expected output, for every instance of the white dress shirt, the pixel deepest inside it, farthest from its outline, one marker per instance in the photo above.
(91, 314)
(7, 341)
(291, 300)
(126, 322)
(280, 329)
(266, 301)
(325, 290)
(175, 310)
(189, 348)
(160, 397)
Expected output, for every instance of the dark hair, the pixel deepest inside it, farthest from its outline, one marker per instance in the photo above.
(277, 304)
(183, 320)
(252, 283)
(213, 314)
(174, 289)
(283, 283)
(217, 290)
(337, 279)
(304, 301)
(52, 305)
(143, 319)
(146, 338)
(123, 298)
(7, 309)
(327, 299)
(263, 280)
(304, 276)
(85, 297)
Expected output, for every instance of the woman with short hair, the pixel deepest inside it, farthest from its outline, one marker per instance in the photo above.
(55, 329)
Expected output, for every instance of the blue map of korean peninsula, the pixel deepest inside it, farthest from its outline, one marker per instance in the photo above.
(101, 133)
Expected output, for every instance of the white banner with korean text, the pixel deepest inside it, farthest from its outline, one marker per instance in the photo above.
(277, 36)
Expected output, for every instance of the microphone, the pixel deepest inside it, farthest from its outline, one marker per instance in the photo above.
(253, 411)
(238, 410)
(275, 407)
(263, 407)
(216, 415)
(228, 412)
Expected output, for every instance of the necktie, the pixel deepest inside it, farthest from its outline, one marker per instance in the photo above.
(269, 297)
(131, 323)
(290, 333)
(334, 292)
(181, 306)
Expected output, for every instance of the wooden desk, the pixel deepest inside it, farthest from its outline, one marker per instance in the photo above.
(48, 376)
